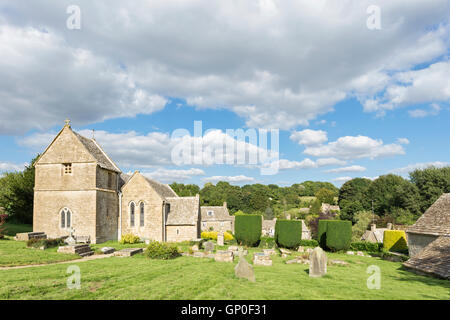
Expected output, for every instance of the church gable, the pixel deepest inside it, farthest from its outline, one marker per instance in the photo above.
(65, 148)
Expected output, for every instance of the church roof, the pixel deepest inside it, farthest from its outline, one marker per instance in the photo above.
(183, 210)
(164, 190)
(220, 213)
(436, 220)
(434, 259)
(96, 151)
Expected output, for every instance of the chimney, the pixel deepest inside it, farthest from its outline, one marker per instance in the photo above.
(225, 204)
(373, 227)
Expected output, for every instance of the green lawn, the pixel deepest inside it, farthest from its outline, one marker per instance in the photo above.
(200, 278)
(12, 228)
(16, 253)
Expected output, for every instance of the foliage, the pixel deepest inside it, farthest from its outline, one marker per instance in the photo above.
(395, 240)
(161, 250)
(363, 220)
(288, 233)
(212, 235)
(313, 222)
(248, 229)
(129, 238)
(315, 207)
(185, 190)
(309, 243)
(366, 246)
(354, 197)
(17, 194)
(402, 216)
(338, 235)
(325, 195)
(267, 243)
(46, 243)
(2, 228)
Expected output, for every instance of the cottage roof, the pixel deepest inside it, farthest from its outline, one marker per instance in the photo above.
(96, 151)
(436, 220)
(183, 210)
(164, 190)
(434, 259)
(220, 213)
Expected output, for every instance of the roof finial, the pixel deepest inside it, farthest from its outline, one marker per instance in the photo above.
(67, 121)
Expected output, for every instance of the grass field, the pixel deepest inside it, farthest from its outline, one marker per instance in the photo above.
(12, 228)
(200, 278)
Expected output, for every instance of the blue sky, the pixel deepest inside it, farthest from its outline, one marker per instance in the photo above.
(348, 101)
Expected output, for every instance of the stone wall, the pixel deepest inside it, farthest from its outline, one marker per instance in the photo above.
(416, 242)
(138, 190)
(107, 216)
(217, 226)
(181, 233)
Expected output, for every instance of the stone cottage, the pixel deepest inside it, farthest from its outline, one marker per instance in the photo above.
(435, 222)
(77, 186)
(375, 235)
(216, 218)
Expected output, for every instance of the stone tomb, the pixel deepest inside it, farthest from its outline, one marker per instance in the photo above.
(261, 259)
(25, 236)
(224, 256)
(107, 250)
(82, 250)
(128, 252)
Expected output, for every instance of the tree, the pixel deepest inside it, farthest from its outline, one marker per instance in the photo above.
(355, 190)
(325, 195)
(17, 194)
(363, 220)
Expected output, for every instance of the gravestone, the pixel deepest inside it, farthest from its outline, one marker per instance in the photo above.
(209, 246)
(128, 252)
(261, 259)
(224, 256)
(244, 270)
(70, 240)
(220, 239)
(284, 251)
(194, 248)
(107, 250)
(318, 263)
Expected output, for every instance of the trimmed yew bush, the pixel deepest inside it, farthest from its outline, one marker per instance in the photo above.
(339, 235)
(288, 233)
(395, 240)
(248, 229)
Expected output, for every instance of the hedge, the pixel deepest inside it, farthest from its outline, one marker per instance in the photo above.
(366, 246)
(309, 243)
(46, 243)
(161, 250)
(334, 234)
(395, 240)
(248, 229)
(288, 233)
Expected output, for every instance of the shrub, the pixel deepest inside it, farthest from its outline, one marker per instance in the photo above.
(129, 238)
(309, 243)
(366, 246)
(212, 235)
(288, 233)
(339, 235)
(395, 240)
(161, 250)
(267, 242)
(248, 229)
(322, 233)
(46, 243)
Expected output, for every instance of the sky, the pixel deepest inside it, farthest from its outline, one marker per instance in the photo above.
(342, 89)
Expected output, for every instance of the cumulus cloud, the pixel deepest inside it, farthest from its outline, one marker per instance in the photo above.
(8, 167)
(275, 63)
(231, 179)
(169, 176)
(285, 164)
(403, 141)
(309, 137)
(420, 165)
(421, 113)
(342, 179)
(354, 168)
(351, 147)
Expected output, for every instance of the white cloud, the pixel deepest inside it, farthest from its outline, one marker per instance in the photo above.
(421, 113)
(231, 179)
(350, 147)
(169, 176)
(293, 59)
(354, 168)
(342, 179)
(284, 164)
(403, 141)
(421, 165)
(309, 137)
(8, 166)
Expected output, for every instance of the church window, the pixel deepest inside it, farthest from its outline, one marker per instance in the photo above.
(67, 168)
(132, 214)
(66, 217)
(141, 207)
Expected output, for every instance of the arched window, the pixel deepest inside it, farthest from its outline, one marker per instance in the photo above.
(132, 207)
(66, 218)
(141, 207)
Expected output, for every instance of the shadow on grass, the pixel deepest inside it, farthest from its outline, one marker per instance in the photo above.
(408, 275)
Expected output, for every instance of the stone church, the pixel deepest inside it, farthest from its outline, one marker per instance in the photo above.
(77, 186)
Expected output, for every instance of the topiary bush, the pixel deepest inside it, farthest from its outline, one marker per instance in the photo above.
(366, 246)
(248, 229)
(161, 250)
(395, 240)
(322, 233)
(129, 238)
(338, 235)
(288, 233)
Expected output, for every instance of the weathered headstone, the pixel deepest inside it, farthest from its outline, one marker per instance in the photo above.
(284, 251)
(224, 256)
(70, 240)
(209, 246)
(301, 249)
(244, 270)
(107, 250)
(269, 251)
(194, 248)
(261, 259)
(220, 239)
(318, 263)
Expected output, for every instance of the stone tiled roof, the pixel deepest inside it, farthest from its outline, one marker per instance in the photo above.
(374, 236)
(436, 220)
(183, 210)
(220, 213)
(96, 151)
(162, 189)
(123, 179)
(434, 259)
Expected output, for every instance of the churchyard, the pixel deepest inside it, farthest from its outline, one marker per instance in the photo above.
(193, 277)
